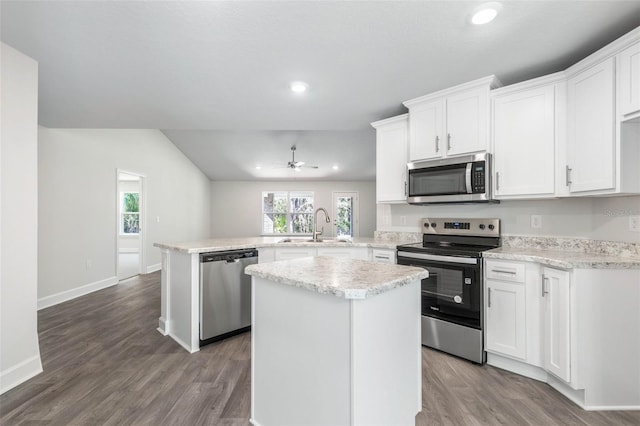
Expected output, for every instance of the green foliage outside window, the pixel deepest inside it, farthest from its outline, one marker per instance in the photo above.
(130, 213)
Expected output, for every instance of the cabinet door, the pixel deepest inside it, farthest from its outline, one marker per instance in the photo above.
(591, 130)
(345, 252)
(506, 324)
(557, 322)
(391, 162)
(426, 130)
(287, 253)
(266, 254)
(524, 142)
(467, 122)
(629, 80)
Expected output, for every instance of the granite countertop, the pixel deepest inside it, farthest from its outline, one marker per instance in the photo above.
(345, 278)
(564, 259)
(219, 244)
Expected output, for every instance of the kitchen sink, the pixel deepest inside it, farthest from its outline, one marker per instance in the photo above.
(309, 240)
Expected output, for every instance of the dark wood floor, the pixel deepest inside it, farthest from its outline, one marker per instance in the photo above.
(105, 363)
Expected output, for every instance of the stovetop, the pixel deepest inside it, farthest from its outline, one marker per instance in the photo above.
(456, 237)
(445, 249)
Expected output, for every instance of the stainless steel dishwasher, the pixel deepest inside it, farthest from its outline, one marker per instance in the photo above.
(225, 294)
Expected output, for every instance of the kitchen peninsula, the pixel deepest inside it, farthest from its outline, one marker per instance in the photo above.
(180, 292)
(335, 341)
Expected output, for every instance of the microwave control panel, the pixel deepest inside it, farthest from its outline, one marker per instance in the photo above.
(478, 177)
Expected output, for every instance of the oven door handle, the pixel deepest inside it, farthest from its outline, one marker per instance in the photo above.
(438, 258)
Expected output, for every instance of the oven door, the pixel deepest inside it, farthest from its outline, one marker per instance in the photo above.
(452, 292)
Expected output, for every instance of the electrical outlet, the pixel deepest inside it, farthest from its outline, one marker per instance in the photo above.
(403, 220)
(355, 293)
(536, 221)
(634, 223)
(88, 264)
(157, 219)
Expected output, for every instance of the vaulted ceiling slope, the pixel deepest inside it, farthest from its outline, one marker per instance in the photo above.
(225, 66)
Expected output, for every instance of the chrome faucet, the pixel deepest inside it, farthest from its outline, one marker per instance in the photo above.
(315, 223)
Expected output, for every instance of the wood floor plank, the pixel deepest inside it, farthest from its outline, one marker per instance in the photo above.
(105, 364)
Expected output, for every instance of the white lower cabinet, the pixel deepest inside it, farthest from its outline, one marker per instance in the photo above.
(288, 253)
(556, 291)
(266, 254)
(528, 315)
(505, 313)
(346, 252)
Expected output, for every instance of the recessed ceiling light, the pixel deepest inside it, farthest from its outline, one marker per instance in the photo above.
(485, 13)
(299, 87)
(258, 167)
(335, 167)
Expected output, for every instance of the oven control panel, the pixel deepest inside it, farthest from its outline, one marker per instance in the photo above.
(468, 226)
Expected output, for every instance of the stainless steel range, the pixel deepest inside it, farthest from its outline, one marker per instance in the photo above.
(451, 250)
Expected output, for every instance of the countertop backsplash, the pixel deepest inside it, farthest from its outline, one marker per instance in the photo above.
(582, 245)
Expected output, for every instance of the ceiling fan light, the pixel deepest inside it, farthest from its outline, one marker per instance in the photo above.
(485, 13)
(297, 169)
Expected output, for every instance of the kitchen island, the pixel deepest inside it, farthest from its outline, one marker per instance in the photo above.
(180, 282)
(335, 341)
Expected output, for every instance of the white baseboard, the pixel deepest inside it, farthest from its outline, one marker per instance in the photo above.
(129, 250)
(20, 373)
(183, 344)
(163, 326)
(153, 268)
(64, 296)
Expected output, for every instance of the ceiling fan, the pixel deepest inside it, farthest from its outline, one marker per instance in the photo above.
(297, 165)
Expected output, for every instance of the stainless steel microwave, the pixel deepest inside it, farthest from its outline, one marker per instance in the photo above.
(464, 179)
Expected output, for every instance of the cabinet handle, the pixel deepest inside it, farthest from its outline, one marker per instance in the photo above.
(405, 188)
(448, 141)
(437, 143)
(381, 257)
(544, 280)
(497, 181)
(489, 298)
(503, 271)
(568, 175)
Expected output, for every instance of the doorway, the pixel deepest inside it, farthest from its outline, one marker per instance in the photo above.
(345, 214)
(129, 228)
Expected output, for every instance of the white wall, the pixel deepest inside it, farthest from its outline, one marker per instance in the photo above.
(596, 218)
(236, 207)
(19, 351)
(77, 233)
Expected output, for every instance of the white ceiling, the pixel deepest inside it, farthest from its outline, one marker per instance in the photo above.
(214, 76)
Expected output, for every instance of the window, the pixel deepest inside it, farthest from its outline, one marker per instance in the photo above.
(287, 212)
(129, 213)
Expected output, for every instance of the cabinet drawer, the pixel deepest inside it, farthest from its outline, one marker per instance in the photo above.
(384, 256)
(505, 271)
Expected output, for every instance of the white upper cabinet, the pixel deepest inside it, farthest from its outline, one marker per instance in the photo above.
(426, 129)
(524, 138)
(629, 81)
(450, 122)
(591, 129)
(391, 159)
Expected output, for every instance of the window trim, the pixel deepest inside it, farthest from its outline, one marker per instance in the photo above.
(288, 213)
(122, 213)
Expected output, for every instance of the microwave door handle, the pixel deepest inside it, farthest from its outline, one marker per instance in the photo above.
(468, 178)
